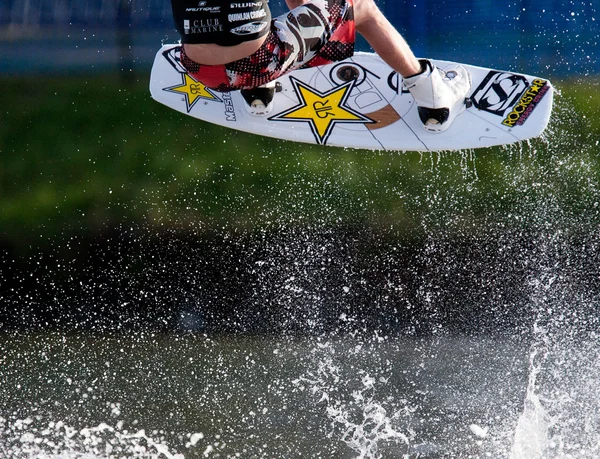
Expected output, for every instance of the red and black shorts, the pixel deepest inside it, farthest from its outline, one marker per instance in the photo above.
(314, 34)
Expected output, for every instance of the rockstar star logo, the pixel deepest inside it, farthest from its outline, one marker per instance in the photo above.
(322, 111)
(192, 90)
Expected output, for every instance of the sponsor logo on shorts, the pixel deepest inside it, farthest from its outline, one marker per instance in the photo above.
(200, 26)
(203, 8)
(247, 16)
(246, 5)
(247, 29)
(213, 9)
(532, 97)
(498, 92)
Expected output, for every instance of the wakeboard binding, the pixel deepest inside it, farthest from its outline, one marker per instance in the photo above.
(441, 95)
(259, 100)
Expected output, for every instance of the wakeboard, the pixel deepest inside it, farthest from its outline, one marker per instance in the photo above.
(360, 103)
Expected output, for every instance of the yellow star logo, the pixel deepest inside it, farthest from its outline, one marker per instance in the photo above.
(192, 90)
(321, 110)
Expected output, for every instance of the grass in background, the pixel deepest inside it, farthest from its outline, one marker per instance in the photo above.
(87, 154)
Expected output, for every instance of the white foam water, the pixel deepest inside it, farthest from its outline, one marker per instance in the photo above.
(561, 411)
(360, 420)
(33, 438)
(374, 398)
(531, 433)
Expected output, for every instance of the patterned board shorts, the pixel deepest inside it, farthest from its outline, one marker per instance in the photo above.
(316, 33)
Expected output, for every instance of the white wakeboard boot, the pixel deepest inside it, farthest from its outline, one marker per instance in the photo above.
(441, 95)
(259, 100)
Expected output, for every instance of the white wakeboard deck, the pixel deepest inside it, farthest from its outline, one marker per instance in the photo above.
(359, 103)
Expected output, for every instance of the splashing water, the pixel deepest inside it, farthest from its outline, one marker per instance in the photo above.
(31, 437)
(361, 422)
(531, 435)
(482, 342)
